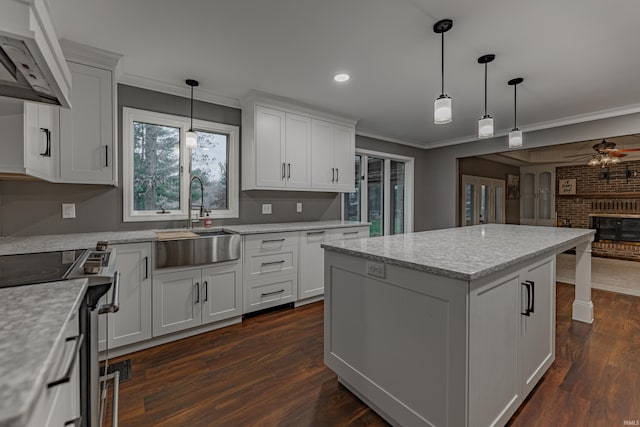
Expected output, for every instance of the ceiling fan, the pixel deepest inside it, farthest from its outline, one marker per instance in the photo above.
(605, 154)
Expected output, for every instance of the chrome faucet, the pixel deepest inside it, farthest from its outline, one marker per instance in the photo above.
(193, 178)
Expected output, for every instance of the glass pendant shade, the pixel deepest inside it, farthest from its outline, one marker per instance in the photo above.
(594, 161)
(485, 127)
(515, 138)
(442, 110)
(191, 139)
(615, 160)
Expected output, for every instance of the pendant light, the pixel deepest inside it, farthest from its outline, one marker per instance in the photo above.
(191, 135)
(485, 124)
(442, 107)
(515, 136)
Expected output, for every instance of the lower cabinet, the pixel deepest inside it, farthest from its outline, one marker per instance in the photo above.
(311, 259)
(188, 298)
(511, 341)
(132, 322)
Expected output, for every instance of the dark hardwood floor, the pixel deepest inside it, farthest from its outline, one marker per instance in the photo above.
(268, 371)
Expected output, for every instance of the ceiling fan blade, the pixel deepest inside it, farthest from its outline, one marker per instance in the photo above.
(628, 150)
(578, 155)
(617, 153)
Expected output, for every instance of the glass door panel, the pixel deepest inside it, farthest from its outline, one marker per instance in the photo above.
(375, 195)
(528, 196)
(352, 203)
(544, 200)
(485, 201)
(397, 197)
(499, 205)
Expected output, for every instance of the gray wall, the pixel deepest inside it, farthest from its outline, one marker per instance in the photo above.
(441, 163)
(419, 167)
(34, 207)
(488, 169)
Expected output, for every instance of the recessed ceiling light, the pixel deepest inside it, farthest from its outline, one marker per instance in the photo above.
(341, 77)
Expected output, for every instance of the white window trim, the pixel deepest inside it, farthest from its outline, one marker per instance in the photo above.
(408, 188)
(129, 115)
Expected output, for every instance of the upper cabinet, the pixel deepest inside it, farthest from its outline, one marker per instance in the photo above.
(88, 130)
(289, 147)
(538, 195)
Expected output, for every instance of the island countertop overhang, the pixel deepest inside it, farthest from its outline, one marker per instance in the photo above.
(465, 253)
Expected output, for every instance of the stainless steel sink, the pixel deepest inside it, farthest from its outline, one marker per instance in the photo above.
(207, 248)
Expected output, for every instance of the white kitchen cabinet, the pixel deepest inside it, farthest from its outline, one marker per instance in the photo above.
(132, 322)
(511, 341)
(87, 130)
(311, 258)
(283, 147)
(188, 298)
(270, 270)
(30, 134)
(277, 149)
(538, 195)
(333, 150)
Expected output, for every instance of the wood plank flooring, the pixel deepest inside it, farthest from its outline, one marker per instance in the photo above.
(269, 371)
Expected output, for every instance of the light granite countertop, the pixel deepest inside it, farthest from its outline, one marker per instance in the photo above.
(465, 253)
(67, 242)
(32, 325)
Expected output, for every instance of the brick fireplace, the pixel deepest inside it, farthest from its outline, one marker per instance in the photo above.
(602, 193)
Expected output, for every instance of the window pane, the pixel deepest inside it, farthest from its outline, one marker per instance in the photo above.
(375, 195)
(498, 205)
(352, 200)
(469, 203)
(209, 162)
(397, 197)
(484, 204)
(156, 167)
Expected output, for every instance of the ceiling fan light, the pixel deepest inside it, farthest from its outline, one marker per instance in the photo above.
(485, 127)
(442, 110)
(515, 138)
(605, 160)
(191, 139)
(594, 162)
(615, 160)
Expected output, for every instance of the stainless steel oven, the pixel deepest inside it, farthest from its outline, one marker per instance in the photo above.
(98, 266)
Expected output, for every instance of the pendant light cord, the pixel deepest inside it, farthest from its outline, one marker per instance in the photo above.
(191, 129)
(515, 105)
(442, 57)
(485, 89)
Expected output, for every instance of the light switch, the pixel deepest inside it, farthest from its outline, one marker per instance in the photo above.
(266, 209)
(375, 269)
(68, 210)
(298, 207)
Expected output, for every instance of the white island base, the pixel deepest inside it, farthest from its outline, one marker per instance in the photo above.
(422, 349)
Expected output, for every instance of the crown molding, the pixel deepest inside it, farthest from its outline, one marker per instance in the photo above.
(178, 90)
(367, 134)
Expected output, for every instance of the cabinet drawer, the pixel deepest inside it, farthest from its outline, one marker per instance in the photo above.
(259, 264)
(264, 294)
(270, 242)
(348, 233)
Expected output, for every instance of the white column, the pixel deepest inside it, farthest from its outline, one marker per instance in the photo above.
(582, 305)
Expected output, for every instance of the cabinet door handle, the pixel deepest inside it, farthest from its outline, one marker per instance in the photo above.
(337, 174)
(146, 267)
(333, 174)
(67, 374)
(533, 295)
(47, 150)
(205, 286)
(273, 263)
(283, 171)
(528, 286)
(288, 170)
(74, 422)
(273, 240)
(106, 156)
(197, 292)
(266, 294)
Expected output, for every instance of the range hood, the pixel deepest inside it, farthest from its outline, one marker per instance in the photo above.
(32, 65)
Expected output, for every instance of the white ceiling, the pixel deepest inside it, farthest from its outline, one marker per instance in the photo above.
(577, 57)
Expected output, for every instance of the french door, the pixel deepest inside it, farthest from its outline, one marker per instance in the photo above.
(482, 200)
(383, 193)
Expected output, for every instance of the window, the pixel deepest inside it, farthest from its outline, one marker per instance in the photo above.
(156, 167)
(383, 193)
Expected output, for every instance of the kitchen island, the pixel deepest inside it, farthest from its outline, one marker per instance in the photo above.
(449, 327)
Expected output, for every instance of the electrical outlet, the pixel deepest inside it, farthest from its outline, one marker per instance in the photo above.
(68, 210)
(375, 269)
(266, 209)
(298, 207)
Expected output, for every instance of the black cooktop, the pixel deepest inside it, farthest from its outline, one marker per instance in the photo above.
(28, 269)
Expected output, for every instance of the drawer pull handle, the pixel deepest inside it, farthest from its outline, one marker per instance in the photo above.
(273, 241)
(346, 233)
(266, 294)
(309, 233)
(273, 262)
(67, 375)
